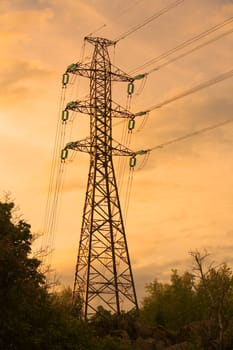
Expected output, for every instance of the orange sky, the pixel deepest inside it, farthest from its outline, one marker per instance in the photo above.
(182, 199)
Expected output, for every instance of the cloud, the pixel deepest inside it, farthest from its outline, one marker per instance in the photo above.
(24, 5)
(23, 19)
(18, 79)
(191, 117)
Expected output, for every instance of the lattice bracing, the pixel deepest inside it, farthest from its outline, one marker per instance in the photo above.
(103, 274)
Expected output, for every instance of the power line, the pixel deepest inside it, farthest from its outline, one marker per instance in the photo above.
(190, 91)
(185, 44)
(185, 93)
(121, 13)
(148, 20)
(191, 134)
(97, 29)
(189, 51)
(129, 8)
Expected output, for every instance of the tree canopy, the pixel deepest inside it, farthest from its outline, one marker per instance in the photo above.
(197, 303)
(194, 308)
(31, 317)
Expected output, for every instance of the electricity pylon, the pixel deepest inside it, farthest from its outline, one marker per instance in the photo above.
(103, 274)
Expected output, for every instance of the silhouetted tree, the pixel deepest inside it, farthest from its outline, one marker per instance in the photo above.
(171, 305)
(214, 285)
(30, 317)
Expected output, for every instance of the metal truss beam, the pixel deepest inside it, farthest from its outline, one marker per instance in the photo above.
(103, 274)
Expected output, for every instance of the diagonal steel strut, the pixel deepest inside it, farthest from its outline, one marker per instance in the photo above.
(103, 275)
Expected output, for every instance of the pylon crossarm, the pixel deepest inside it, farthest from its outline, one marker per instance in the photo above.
(120, 112)
(87, 108)
(120, 150)
(79, 106)
(82, 146)
(100, 41)
(118, 75)
(86, 146)
(82, 69)
(85, 70)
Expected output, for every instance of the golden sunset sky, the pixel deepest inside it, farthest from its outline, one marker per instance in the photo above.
(182, 198)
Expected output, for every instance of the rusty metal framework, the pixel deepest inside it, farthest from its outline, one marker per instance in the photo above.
(103, 274)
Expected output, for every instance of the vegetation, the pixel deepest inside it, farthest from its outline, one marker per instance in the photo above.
(30, 317)
(194, 305)
(194, 310)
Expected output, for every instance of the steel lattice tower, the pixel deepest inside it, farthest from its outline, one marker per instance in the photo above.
(103, 274)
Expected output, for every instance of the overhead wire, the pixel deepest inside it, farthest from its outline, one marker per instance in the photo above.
(193, 89)
(201, 86)
(121, 168)
(126, 140)
(174, 59)
(118, 15)
(128, 193)
(181, 46)
(185, 44)
(191, 134)
(52, 197)
(197, 132)
(129, 7)
(144, 161)
(97, 30)
(143, 122)
(148, 20)
(53, 164)
(56, 182)
(143, 84)
(187, 92)
(55, 210)
(183, 94)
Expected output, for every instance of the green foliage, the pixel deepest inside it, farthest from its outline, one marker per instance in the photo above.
(170, 305)
(30, 317)
(196, 343)
(112, 343)
(21, 285)
(198, 306)
(216, 287)
(105, 323)
(195, 308)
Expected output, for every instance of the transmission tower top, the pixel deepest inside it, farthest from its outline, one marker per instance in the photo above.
(102, 41)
